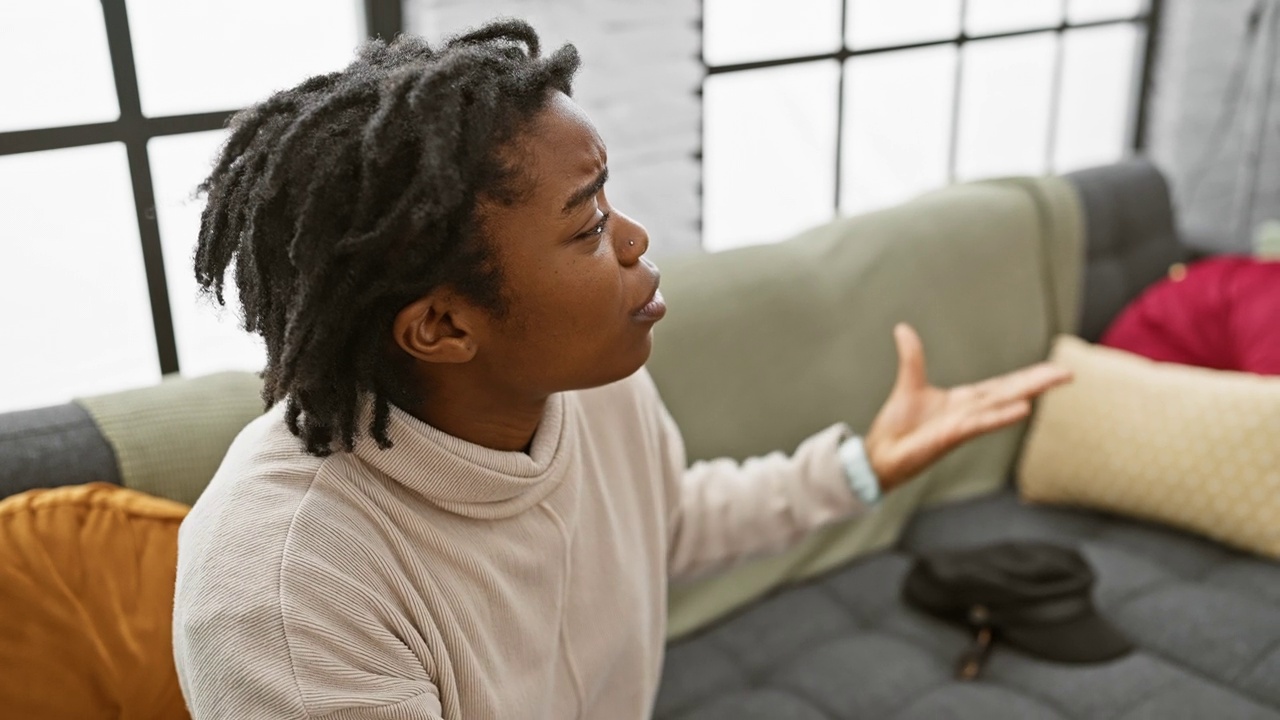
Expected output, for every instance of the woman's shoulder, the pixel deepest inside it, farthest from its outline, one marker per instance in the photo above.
(246, 514)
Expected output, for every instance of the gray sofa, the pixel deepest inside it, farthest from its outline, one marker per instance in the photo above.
(1206, 620)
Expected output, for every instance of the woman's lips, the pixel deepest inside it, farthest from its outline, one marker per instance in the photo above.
(653, 310)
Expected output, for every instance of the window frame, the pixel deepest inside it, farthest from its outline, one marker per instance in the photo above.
(383, 18)
(1149, 19)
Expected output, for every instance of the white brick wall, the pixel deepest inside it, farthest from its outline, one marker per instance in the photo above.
(638, 81)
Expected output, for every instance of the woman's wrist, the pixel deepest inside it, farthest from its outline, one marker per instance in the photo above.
(859, 472)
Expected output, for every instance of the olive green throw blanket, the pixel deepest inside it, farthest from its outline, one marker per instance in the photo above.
(169, 438)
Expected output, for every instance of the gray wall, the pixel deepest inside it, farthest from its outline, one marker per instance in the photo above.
(1199, 46)
(638, 82)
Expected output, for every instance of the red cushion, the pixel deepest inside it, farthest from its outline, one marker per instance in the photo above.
(1223, 313)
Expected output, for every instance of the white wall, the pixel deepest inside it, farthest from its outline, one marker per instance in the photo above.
(638, 82)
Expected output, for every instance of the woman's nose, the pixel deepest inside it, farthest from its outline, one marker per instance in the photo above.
(632, 237)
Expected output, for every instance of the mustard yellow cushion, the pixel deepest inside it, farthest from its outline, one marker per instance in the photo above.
(1189, 447)
(86, 604)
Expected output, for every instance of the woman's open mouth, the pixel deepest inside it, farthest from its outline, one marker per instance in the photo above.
(654, 308)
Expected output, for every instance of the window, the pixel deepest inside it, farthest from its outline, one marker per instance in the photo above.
(106, 135)
(77, 317)
(813, 108)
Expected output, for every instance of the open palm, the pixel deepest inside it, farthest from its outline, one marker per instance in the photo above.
(920, 423)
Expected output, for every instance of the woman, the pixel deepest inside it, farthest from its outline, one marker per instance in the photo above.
(468, 498)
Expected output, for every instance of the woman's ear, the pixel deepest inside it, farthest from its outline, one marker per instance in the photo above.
(435, 328)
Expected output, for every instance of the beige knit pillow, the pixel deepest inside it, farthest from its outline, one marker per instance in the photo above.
(1194, 448)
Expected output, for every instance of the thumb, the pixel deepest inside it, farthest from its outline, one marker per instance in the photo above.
(911, 370)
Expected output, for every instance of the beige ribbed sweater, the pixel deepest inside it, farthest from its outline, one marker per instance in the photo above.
(440, 579)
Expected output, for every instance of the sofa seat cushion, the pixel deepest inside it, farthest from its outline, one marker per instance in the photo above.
(1205, 620)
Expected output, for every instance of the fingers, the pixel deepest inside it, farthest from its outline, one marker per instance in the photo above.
(1027, 383)
(923, 448)
(911, 368)
(993, 419)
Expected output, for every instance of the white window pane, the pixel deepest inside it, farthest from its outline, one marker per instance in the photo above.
(1097, 92)
(209, 336)
(202, 55)
(877, 23)
(78, 319)
(1004, 106)
(57, 69)
(735, 31)
(986, 17)
(769, 143)
(896, 144)
(1082, 11)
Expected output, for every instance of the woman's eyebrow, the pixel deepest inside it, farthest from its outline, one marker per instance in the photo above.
(585, 193)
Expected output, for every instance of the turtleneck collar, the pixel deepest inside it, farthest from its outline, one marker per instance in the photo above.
(465, 478)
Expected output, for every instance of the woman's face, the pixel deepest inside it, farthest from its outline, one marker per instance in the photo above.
(581, 299)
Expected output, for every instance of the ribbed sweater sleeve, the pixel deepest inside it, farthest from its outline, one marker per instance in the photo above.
(723, 511)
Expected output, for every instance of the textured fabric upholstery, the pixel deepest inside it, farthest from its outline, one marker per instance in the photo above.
(1129, 224)
(52, 446)
(1221, 313)
(1207, 460)
(86, 586)
(170, 438)
(1205, 620)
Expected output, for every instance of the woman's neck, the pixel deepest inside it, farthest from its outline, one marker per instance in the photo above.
(477, 413)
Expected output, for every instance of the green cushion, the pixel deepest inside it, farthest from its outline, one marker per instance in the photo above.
(766, 345)
(170, 438)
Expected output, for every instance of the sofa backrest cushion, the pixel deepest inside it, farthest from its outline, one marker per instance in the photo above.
(52, 446)
(1132, 238)
(170, 438)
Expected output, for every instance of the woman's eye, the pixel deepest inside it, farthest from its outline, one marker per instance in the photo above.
(599, 227)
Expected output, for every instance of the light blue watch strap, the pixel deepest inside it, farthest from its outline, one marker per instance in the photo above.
(857, 469)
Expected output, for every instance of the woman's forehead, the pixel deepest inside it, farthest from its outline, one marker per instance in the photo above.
(563, 148)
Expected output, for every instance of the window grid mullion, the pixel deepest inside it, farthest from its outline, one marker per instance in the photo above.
(1154, 14)
(844, 46)
(1055, 91)
(957, 86)
(845, 53)
(133, 131)
(15, 142)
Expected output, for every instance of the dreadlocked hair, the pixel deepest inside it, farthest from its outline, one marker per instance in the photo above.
(344, 199)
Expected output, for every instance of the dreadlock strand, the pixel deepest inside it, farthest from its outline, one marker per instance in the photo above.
(509, 29)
